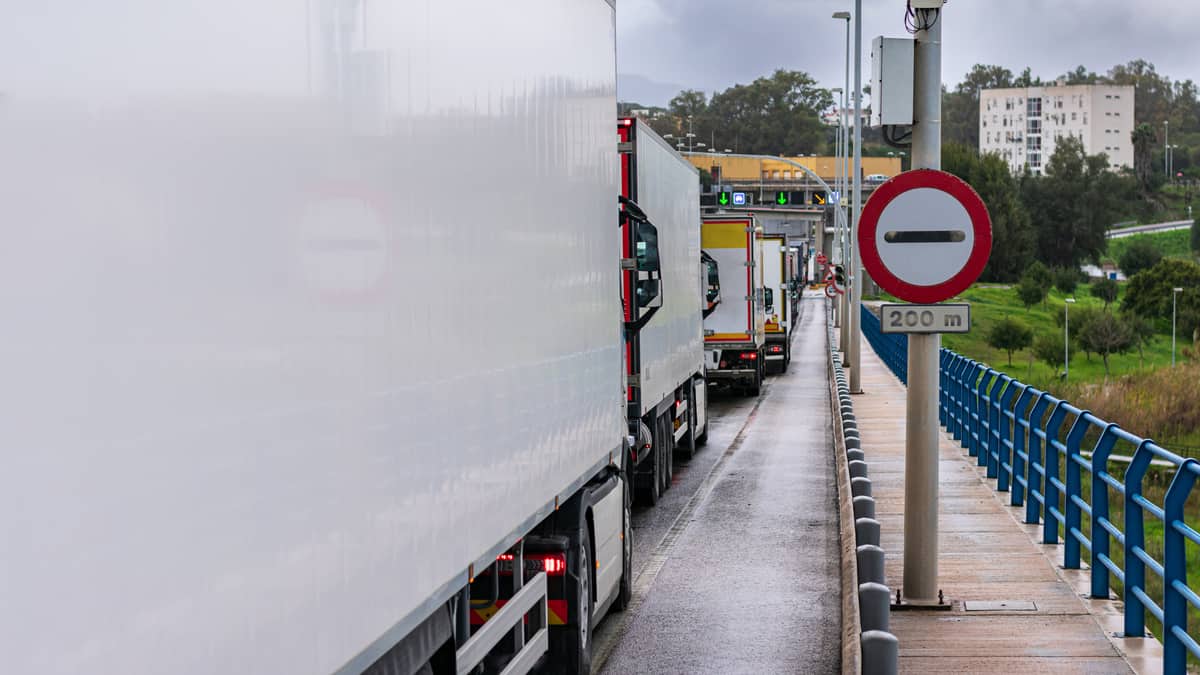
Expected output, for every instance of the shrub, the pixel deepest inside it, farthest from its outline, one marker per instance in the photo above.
(1141, 255)
(1106, 290)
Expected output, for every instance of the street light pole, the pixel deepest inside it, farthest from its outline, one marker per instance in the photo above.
(1174, 294)
(856, 274)
(841, 213)
(1066, 338)
(1166, 147)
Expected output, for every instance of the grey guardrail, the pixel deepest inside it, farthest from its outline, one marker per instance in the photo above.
(867, 645)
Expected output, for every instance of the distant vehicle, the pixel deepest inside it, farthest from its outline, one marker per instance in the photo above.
(734, 335)
(877, 178)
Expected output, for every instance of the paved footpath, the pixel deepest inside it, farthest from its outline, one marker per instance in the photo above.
(748, 580)
(986, 554)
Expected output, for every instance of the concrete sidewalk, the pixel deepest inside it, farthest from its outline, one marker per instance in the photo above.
(986, 554)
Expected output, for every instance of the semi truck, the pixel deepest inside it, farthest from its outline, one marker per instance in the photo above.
(779, 261)
(268, 405)
(734, 331)
(664, 346)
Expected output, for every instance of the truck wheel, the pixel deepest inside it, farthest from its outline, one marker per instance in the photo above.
(625, 593)
(577, 643)
(652, 489)
(689, 444)
(668, 452)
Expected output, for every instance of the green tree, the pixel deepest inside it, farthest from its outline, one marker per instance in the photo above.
(1149, 293)
(1081, 75)
(1080, 318)
(1075, 203)
(1012, 232)
(1196, 237)
(1010, 335)
(1144, 141)
(1066, 279)
(776, 114)
(1142, 254)
(1141, 332)
(1107, 335)
(1031, 293)
(1049, 349)
(1106, 290)
(1036, 271)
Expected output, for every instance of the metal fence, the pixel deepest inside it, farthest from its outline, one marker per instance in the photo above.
(1053, 459)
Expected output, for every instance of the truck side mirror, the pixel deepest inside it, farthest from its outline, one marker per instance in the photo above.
(649, 266)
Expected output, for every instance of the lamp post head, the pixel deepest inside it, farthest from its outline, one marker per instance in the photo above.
(1176, 290)
(1070, 300)
(842, 15)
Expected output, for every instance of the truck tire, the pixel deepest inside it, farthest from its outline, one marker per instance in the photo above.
(668, 451)
(625, 594)
(688, 450)
(651, 488)
(576, 655)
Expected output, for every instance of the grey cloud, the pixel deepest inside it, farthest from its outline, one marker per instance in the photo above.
(711, 44)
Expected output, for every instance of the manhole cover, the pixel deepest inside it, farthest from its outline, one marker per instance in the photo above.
(999, 606)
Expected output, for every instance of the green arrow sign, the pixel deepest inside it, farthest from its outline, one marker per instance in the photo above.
(723, 200)
(781, 198)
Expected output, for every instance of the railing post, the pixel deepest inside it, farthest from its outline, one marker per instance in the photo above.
(1050, 464)
(1020, 436)
(1037, 456)
(1100, 539)
(1004, 461)
(960, 401)
(983, 442)
(943, 384)
(1135, 538)
(993, 441)
(1072, 514)
(1175, 605)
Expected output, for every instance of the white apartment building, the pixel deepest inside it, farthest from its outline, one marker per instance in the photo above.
(1024, 125)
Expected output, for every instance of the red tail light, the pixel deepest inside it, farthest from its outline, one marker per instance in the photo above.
(553, 564)
(775, 349)
(750, 356)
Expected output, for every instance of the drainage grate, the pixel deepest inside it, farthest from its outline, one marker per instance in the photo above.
(999, 606)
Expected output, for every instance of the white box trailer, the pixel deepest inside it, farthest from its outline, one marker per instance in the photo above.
(665, 354)
(240, 434)
(778, 282)
(734, 329)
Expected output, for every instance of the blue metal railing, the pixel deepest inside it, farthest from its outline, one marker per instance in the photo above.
(1038, 449)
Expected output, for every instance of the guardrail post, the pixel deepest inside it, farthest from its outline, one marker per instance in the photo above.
(1175, 605)
(960, 364)
(1072, 514)
(1050, 464)
(1100, 543)
(1020, 447)
(1037, 462)
(943, 384)
(1135, 538)
(993, 440)
(982, 439)
(1004, 461)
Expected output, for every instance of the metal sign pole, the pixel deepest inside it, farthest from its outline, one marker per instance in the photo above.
(921, 431)
(856, 275)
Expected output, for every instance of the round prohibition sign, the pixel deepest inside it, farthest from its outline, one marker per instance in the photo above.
(925, 236)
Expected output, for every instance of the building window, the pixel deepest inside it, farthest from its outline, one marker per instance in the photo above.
(1035, 160)
(1034, 143)
(775, 174)
(766, 175)
(1033, 107)
(1117, 114)
(1034, 126)
(1074, 116)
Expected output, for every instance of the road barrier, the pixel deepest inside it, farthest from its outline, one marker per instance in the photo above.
(868, 646)
(1049, 455)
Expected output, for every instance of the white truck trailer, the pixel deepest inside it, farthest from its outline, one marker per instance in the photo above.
(245, 427)
(664, 350)
(734, 334)
(778, 286)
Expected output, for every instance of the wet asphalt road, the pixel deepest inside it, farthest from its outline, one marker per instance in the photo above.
(736, 568)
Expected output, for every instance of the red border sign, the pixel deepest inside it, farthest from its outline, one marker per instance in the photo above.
(977, 211)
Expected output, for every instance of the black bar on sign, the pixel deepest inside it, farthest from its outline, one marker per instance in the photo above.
(925, 237)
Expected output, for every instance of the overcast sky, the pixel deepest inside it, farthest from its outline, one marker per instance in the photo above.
(712, 44)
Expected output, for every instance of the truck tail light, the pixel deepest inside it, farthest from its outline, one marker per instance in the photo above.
(553, 564)
(775, 349)
(750, 356)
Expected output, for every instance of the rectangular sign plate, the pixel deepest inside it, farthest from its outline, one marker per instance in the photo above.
(955, 318)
